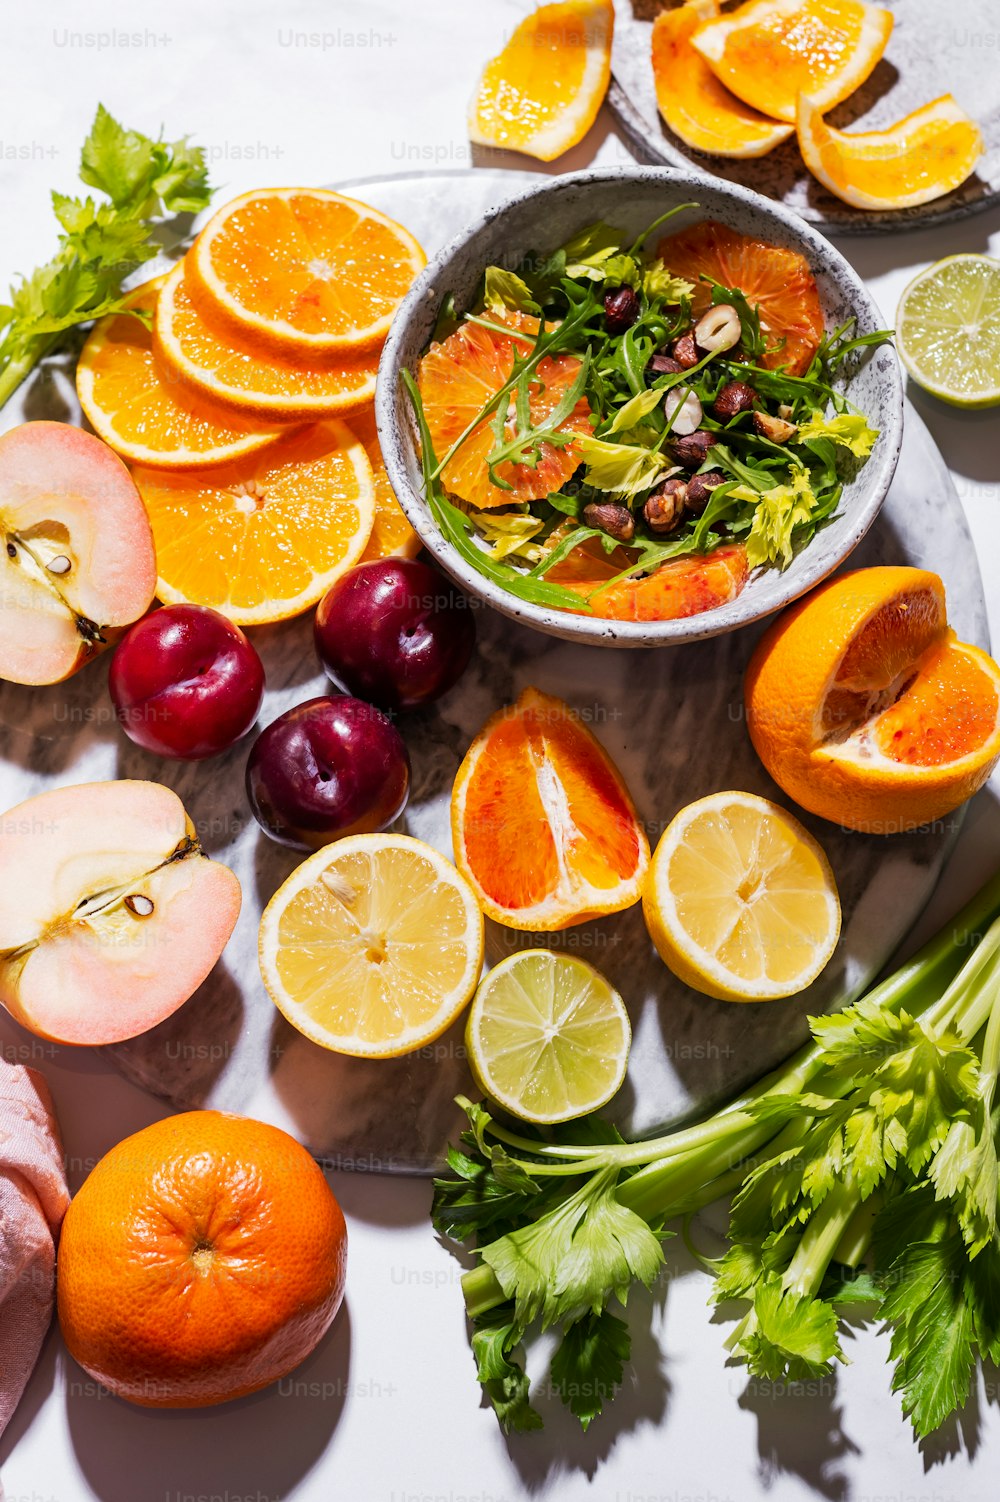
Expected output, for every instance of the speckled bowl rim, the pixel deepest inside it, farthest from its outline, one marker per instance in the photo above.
(397, 434)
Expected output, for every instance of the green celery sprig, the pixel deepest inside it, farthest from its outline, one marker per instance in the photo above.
(145, 182)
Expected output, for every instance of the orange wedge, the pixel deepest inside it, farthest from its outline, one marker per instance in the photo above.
(304, 270)
(460, 375)
(542, 822)
(680, 587)
(263, 538)
(921, 157)
(777, 282)
(867, 710)
(541, 94)
(145, 415)
(247, 378)
(391, 536)
(770, 51)
(695, 105)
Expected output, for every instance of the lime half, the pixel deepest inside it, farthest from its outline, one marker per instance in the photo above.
(948, 330)
(548, 1037)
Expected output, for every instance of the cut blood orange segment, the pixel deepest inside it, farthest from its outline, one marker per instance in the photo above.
(303, 269)
(145, 415)
(777, 282)
(459, 376)
(373, 946)
(541, 94)
(264, 538)
(694, 104)
(247, 378)
(391, 535)
(740, 900)
(548, 1038)
(929, 153)
(770, 51)
(678, 588)
(542, 822)
(865, 707)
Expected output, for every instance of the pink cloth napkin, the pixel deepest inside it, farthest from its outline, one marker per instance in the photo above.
(33, 1201)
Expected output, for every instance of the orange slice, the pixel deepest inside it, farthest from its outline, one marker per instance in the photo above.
(542, 822)
(680, 587)
(392, 536)
(778, 283)
(263, 538)
(921, 157)
(867, 710)
(143, 414)
(770, 51)
(460, 375)
(245, 377)
(304, 270)
(695, 105)
(541, 94)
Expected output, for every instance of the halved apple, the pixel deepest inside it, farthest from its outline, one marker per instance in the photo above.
(111, 915)
(77, 562)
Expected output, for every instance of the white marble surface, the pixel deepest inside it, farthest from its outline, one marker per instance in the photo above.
(387, 1410)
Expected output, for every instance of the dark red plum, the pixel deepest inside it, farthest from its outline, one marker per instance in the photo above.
(327, 768)
(394, 632)
(186, 683)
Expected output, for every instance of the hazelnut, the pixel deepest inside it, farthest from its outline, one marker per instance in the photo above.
(735, 397)
(700, 487)
(775, 428)
(621, 309)
(719, 329)
(663, 365)
(617, 521)
(685, 351)
(683, 410)
(691, 449)
(664, 509)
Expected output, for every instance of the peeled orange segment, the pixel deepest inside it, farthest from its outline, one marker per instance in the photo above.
(740, 900)
(695, 105)
(304, 270)
(373, 946)
(391, 535)
(867, 710)
(678, 588)
(146, 417)
(770, 51)
(777, 282)
(929, 153)
(548, 1038)
(542, 822)
(264, 538)
(541, 94)
(457, 378)
(245, 377)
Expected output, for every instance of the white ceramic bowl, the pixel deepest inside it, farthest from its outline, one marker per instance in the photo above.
(630, 198)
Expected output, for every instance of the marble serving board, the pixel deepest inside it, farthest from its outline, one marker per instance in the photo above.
(672, 719)
(936, 46)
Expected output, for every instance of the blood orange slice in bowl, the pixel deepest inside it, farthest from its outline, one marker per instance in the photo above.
(804, 290)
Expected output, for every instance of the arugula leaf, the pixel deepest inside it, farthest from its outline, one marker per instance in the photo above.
(588, 1365)
(504, 1381)
(622, 469)
(848, 429)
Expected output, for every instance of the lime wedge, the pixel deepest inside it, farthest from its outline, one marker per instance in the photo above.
(948, 330)
(548, 1037)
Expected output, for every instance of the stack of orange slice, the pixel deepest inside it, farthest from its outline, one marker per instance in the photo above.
(739, 83)
(274, 319)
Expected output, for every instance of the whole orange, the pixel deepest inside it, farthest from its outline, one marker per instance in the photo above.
(203, 1258)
